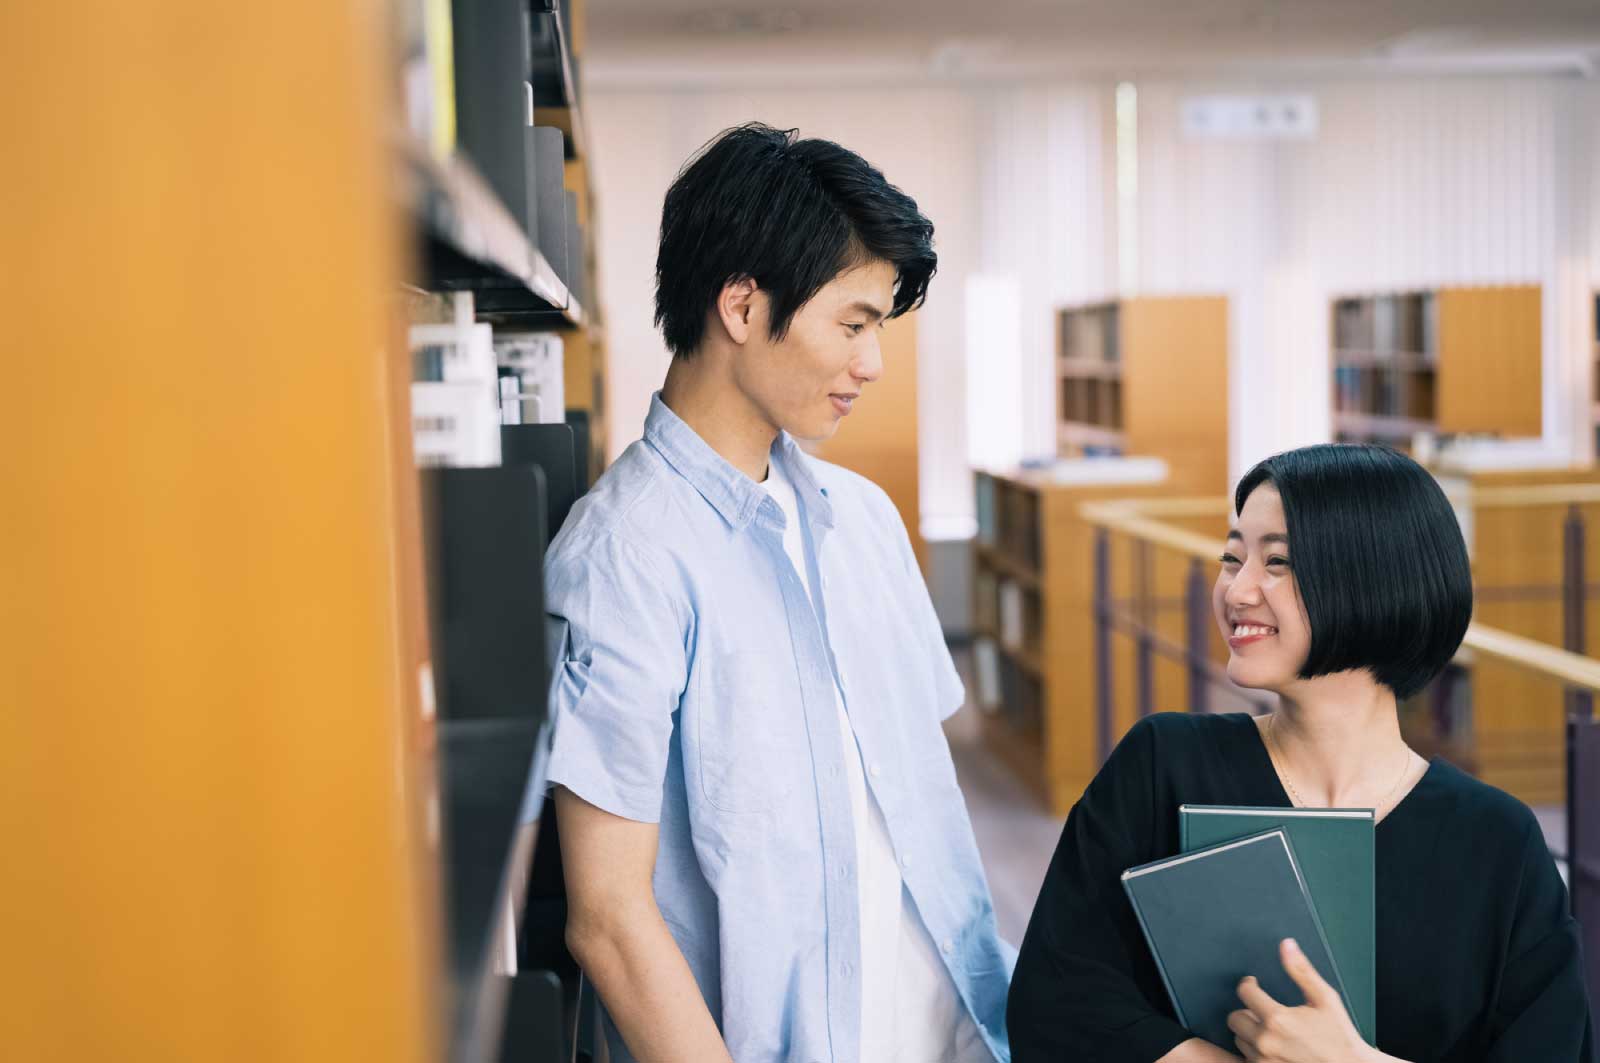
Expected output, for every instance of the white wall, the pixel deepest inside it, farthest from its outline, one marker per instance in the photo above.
(924, 141)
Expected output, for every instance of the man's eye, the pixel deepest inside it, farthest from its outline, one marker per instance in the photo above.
(855, 330)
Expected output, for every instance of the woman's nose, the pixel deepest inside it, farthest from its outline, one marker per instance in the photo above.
(1243, 589)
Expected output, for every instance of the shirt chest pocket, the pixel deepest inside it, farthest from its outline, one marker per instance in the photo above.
(751, 731)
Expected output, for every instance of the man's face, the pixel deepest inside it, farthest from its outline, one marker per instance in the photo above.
(806, 383)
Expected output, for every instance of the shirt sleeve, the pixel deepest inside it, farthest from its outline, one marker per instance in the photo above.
(952, 694)
(619, 666)
(1078, 992)
(1541, 1010)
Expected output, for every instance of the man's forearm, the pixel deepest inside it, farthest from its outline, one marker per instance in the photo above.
(648, 990)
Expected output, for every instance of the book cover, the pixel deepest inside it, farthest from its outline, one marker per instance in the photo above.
(1215, 915)
(1335, 849)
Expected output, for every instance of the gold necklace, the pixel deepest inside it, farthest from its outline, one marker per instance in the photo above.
(1294, 795)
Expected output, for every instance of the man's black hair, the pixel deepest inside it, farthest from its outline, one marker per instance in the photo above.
(1379, 559)
(757, 203)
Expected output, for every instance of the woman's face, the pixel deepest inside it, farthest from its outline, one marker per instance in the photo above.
(1256, 601)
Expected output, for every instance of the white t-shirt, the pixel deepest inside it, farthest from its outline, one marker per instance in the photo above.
(910, 1010)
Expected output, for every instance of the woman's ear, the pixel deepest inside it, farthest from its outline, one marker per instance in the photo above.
(736, 308)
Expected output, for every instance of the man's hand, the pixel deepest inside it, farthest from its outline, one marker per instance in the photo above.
(1320, 1031)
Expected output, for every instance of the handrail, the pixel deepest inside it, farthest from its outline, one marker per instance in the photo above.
(1131, 517)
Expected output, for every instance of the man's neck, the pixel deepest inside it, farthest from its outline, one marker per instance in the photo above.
(720, 414)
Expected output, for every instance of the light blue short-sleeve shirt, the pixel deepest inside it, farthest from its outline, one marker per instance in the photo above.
(693, 687)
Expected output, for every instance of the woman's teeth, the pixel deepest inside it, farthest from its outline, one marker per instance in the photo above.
(1248, 630)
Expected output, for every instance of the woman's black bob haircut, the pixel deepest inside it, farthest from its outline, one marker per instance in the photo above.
(756, 203)
(1378, 557)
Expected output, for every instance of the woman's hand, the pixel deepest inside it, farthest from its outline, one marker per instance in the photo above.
(1320, 1031)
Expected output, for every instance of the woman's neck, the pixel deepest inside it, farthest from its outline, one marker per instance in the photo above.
(1336, 740)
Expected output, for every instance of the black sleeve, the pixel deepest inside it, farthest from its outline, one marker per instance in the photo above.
(1083, 984)
(1541, 1010)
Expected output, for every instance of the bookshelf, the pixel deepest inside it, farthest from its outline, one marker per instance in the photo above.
(1089, 380)
(1443, 361)
(501, 318)
(1033, 588)
(1595, 366)
(1147, 377)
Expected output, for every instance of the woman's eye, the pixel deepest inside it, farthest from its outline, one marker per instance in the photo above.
(855, 330)
(1280, 562)
(1229, 559)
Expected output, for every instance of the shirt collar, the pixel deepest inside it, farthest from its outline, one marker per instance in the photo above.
(731, 493)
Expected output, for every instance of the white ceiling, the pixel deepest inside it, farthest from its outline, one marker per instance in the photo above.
(759, 42)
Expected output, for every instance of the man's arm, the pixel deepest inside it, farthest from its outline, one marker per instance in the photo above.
(618, 937)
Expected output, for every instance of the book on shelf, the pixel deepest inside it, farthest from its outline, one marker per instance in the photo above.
(511, 401)
(1012, 615)
(546, 148)
(453, 354)
(1215, 915)
(455, 396)
(986, 602)
(537, 358)
(455, 424)
(493, 60)
(986, 509)
(986, 671)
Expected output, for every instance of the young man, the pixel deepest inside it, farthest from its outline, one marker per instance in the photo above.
(767, 856)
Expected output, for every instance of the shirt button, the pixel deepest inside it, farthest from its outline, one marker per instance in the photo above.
(905, 863)
(948, 947)
(844, 872)
(876, 769)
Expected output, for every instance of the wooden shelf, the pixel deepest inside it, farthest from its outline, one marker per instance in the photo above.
(1089, 368)
(470, 241)
(1074, 433)
(1379, 427)
(1007, 566)
(1406, 361)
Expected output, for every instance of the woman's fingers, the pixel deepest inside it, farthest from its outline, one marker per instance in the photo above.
(1319, 994)
(1256, 999)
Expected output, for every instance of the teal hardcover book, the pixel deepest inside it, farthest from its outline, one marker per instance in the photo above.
(1334, 847)
(1215, 915)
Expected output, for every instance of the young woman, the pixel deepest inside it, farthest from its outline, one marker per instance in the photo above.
(1344, 588)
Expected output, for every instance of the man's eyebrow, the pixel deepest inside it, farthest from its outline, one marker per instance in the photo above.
(1233, 533)
(871, 312)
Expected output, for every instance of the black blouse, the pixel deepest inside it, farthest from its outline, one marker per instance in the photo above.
(1477, 955)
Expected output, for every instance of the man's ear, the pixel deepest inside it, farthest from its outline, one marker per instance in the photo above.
(736, 307)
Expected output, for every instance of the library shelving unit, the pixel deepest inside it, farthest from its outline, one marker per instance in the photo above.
(1089, 384)
(1033, 626)
(1437, 362)
(1595, 360)
(505, 212)
(1142, 401)
(1147, 377)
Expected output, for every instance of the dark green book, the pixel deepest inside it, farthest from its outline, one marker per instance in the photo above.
(1335, 849)
(1215, 915)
